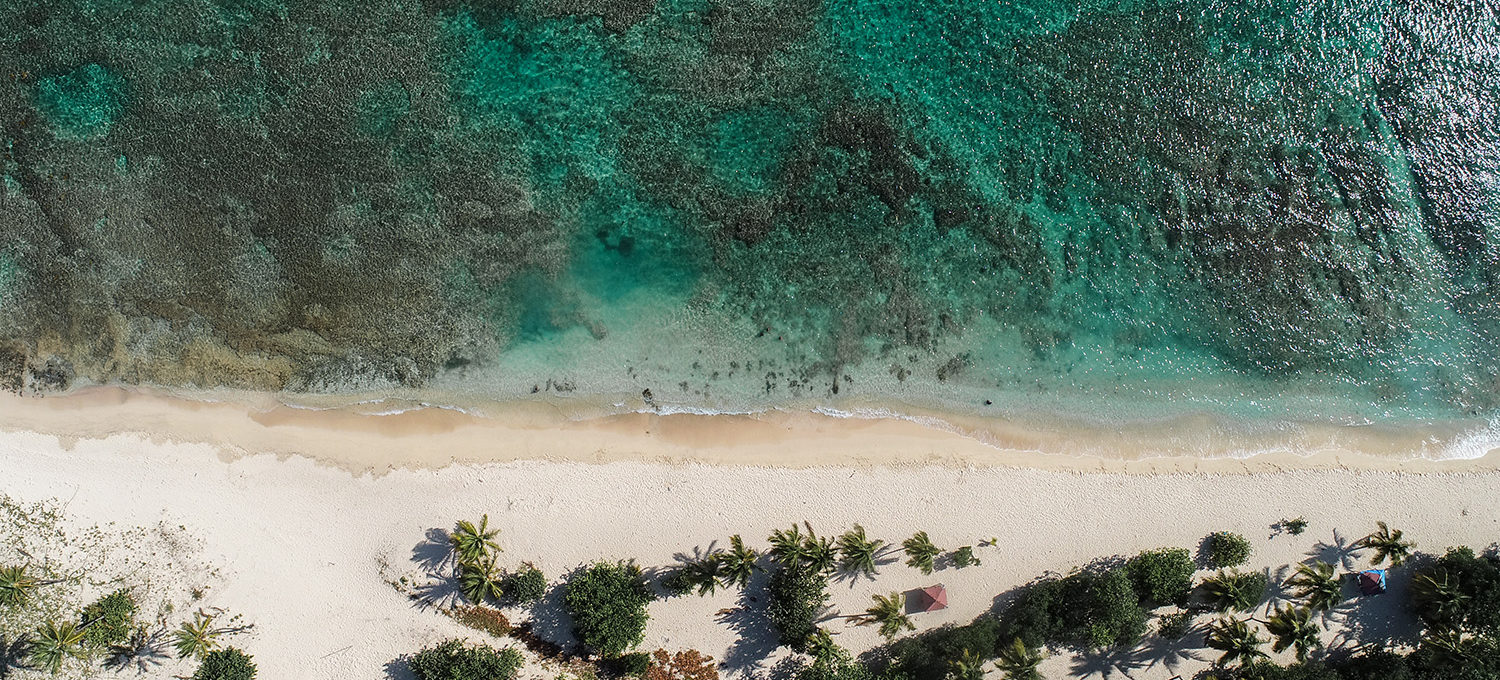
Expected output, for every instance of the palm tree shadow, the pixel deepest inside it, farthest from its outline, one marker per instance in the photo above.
(551, 623)
(13, 655)
(1340, 552)
(1169, 653)
(1109, 662)
(145, 651)
(434, 552)
(755, 637)
(1276, 590)
(437, 592)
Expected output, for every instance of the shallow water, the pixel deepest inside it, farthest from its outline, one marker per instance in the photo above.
(1115, 213)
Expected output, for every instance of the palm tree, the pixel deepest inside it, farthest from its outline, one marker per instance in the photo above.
(16, 585)
(1316, 584)
(788, 547)
(479, 581)
(706, 572)
(1387, 543)
(890, 613)
(821, 647)
(739, 563)
(1293, 627)
(472, 544)
(1235, 590)
(198, 638)
(1438, 598)
(968, 666)
(55, 643)
(1236, 639)
(920, 551)
(1019, 662)
(821, 554)
(857, 552)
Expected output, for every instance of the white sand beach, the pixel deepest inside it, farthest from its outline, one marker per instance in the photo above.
(304, 544)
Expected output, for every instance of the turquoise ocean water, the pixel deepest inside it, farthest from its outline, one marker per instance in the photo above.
(1260, 214)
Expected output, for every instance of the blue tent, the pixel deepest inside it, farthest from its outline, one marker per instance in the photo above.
(1372, 581)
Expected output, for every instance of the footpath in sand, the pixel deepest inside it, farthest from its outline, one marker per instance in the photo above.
(304, 545)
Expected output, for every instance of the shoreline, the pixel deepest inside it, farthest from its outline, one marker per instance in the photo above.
(352, 439)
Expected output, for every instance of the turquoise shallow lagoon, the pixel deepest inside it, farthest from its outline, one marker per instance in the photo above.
(1265, 213)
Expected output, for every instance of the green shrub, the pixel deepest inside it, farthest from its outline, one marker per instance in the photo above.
(527, 584)
(933, 654)
(1162, 576)
(110, 620)
(1175, 625)
(454, 660)
(1227, 549)
(608, 604)
(964, 557)
(1295, 526)
(633, 665)
(226, 664)
(1090, 608)
(797, 596)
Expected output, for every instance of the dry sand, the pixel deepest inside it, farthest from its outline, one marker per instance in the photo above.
(302, 540)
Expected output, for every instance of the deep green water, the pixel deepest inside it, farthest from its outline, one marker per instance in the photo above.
(1101, 210)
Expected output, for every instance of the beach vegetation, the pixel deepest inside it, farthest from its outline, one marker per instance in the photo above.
(1387, 544)
(888, 612)
(455, 660)
(1227, 549)
(1174, 625)
(739, 563)
(1234, 590)
(226, 664)
(831, 662)
(705, 572)
(474, 543)
(1089, 608)
(607, 602)
(1293, 627)
(789, 547)
(1294, 526)
(686, 665)
(53, 644)
(797, 596)
(525, 585)
(109, 620)
(1237, 641)
(1017, 661)
(964, 557)
(968, 665)
(1317, 585)
(482, 618)
(920, 552)
(1162, 576)
(198, 637)
(629, 665)
(678, 581)
(1459, 591)
(857, 552)
(931, 655)
(18, 582)
(480, 581)
(822, 554)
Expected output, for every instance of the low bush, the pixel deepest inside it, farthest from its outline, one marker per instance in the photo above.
(607, 602)
(1162, 576)
(1175, 625)
(633, 665)
(1227, 549)
(688, 665)
(454, 660)
(226, 664)
(527, 584)
(109, 621)
(482, 618)
(797, 596)
(1089, 608)
(932, 655)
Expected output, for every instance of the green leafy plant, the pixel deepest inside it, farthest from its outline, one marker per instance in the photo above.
(796, 598)
(199, 637)
(704, 573)
(109, 620)
(1293, 627)
(226, 664)
(1295, 526)
(1227, 549)
(473, 543)
(822, 554)
(527, 584)
(920, 552)
(1235, 590)
(1175, 625)
(1387, 544)
(889, 613)
(1019, 662)
(789, 548)
(857, 551)
(1317, 585)
(17, 583)
(632, 665)
(1162, 576)
(1237, 640)
(964, 557)
(739, 563)
(454, 660)
(55, 643)
(607, 602)
(480, 581)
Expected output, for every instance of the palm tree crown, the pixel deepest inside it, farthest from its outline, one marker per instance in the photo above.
(1019, 662)
(16, 584)
(55, 643)
(472, 543)
(920, 551)
(788, 547)
(1387, 544)
(198, 638)
(821, 554)
(1293, 627)
(739, 563)
(1235, 590)
(1316, 584)
(1237, 640)
(479, 581)
(857, 552)
(1439, 599)
(890, 613)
